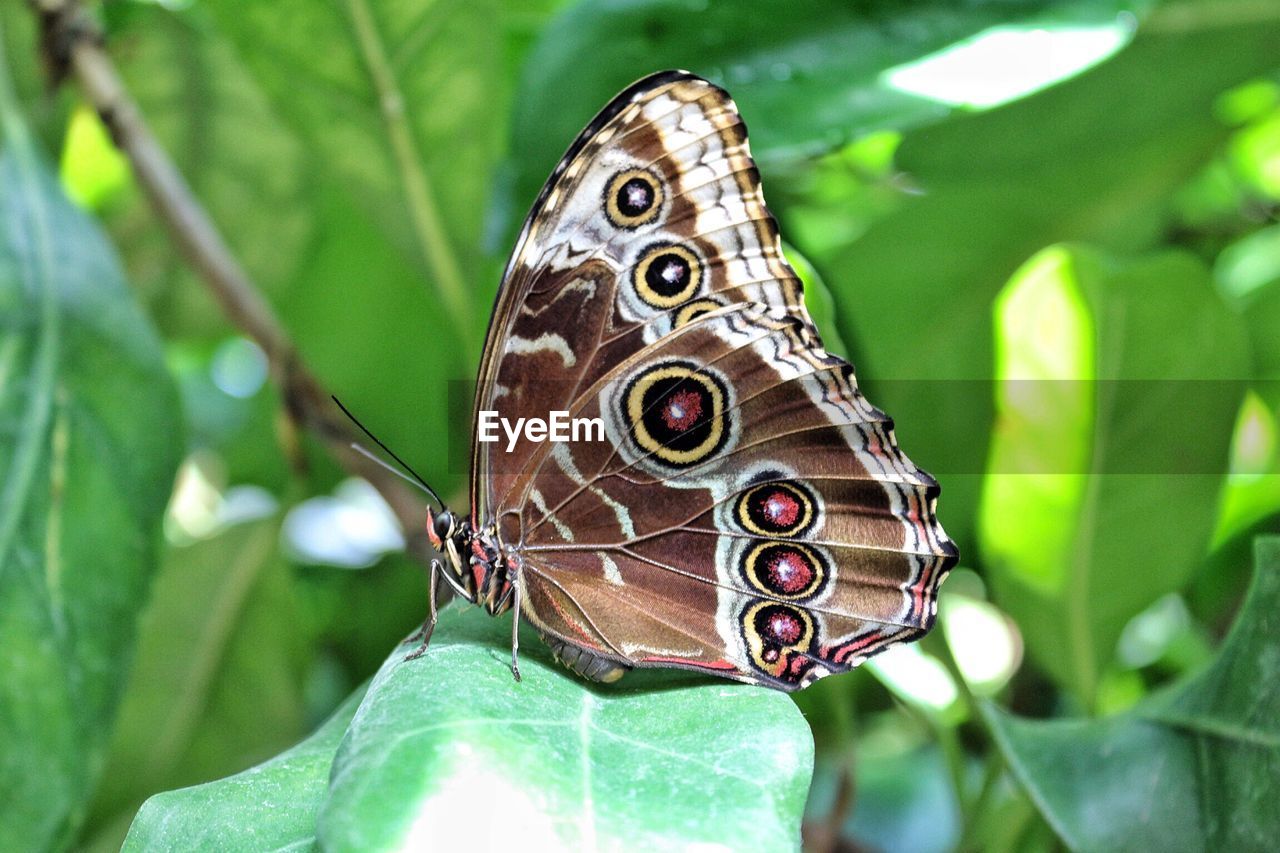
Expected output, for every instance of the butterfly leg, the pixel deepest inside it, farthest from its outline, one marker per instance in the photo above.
(424, 633)
(515, 630)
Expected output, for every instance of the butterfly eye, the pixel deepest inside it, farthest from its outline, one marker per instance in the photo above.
(775, 509)
(785, 570)
(667, 275)
(443, 525)
(676, 412)
(633, 198)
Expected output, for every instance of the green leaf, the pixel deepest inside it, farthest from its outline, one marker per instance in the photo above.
(809, 77)
(1094, 159)
(1106, 466)
(442, 742)
(1192, 768)
(269, 807)
(216, 687)
(399, 104)
(278, 153)
(90, 435)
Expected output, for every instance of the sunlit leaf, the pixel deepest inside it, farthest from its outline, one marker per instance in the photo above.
(661, 766)
(571, 764)
(1095, 158)
(1103, 484)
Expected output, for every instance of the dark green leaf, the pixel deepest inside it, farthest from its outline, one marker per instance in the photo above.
(399, 103)
(89, 439)
(270, 807)
(448, 750)
(290, 163)
(1193, 768)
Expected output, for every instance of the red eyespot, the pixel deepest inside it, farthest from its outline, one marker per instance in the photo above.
(682, 410)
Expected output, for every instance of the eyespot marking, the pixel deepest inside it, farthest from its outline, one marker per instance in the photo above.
(780, 509)
(778, 637)
(633, 198)
(666, 275)
(785, 570)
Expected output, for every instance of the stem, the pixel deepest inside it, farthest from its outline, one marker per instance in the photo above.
(970, 807)
(76, 45)
(937, 645)
(952, 752)
(417, 185)
(991, 775)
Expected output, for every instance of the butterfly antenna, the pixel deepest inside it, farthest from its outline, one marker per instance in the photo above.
(416, 479)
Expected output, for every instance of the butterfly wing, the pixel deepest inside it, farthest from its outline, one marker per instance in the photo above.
(748, 513)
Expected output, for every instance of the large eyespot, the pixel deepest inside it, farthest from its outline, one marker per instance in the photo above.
(633, 198)
(676, 411)
(785, 570)
(781, 509)
(771, 632)
(691, 311)
(666, 275)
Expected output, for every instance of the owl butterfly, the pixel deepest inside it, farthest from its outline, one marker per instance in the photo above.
(747, 514)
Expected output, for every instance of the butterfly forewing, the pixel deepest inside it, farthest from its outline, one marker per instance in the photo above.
(748, 513)
(654, 214)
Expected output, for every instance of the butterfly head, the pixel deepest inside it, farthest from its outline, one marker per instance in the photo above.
(453, 537)
(441, 527)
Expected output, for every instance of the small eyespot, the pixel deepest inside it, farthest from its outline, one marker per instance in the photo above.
(691, 311)
(778, 637)
(785, 570)
(779, 509)
(667, 275)
(633, 198)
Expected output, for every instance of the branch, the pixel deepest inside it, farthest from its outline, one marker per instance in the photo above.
(73, 46)
(427, 223)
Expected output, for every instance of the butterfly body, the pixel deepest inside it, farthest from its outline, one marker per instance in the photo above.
(746, 512)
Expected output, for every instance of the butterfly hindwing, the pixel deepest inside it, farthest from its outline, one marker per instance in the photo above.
(743, 476)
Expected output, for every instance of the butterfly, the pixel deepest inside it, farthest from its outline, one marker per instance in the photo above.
(746, 512)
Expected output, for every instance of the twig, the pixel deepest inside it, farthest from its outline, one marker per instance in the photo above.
(73, 46)
(427, 222)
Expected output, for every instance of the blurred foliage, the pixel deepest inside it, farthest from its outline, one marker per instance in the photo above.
(91, 433)
(1045, 231)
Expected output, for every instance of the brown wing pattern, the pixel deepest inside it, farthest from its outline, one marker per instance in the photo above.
(748, 513)
(743, 475)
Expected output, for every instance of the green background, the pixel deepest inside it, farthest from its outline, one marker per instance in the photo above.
(1044, 231)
